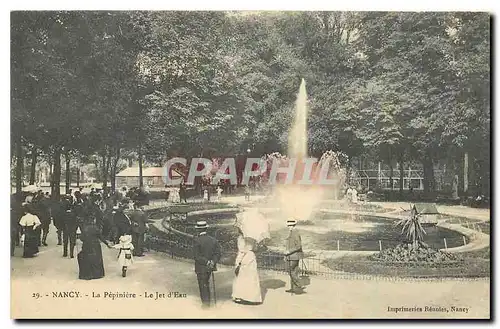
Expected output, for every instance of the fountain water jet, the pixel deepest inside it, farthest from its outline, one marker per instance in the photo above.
(297, 137)
(295, 200)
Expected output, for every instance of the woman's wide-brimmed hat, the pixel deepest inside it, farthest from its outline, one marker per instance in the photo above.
(125, 238)
(26, 207)
(291, 222)
(201, 225)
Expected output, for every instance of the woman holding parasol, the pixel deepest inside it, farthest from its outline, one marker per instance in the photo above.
(253, 228)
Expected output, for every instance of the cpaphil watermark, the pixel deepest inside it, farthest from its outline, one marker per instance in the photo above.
(304, 171)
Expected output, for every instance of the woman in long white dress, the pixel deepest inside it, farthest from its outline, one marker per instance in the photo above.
(174, 195)
(246, 284)
(348, 194)
(219, 194)
(29, 223)
(354, 197)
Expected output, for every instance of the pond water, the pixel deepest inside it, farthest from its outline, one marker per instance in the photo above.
(326, 231)
(361, 233)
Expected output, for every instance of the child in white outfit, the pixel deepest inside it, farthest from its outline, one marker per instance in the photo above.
(125, 257)
(219, 193)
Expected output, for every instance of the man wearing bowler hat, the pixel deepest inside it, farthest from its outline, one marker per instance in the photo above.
(206, 255)
(293, 255)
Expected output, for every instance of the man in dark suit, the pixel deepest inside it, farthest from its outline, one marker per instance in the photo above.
(293, 255)
(182, 192)
(70, 226)
(41, 209)
(122, 222)
(108, 229)
(45, 217)
(15, 216)
(206, 255)
(139, 221)
(58, 215)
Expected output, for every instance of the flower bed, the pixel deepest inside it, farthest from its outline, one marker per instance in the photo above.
(463, 266)
(403, 253)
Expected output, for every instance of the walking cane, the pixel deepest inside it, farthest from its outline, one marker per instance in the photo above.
(213, 284)
(290, 274)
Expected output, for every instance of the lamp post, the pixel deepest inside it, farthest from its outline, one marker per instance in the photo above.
(249, 150)
(78, 172)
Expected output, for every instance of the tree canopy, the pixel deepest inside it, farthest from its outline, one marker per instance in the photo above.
(395, 86)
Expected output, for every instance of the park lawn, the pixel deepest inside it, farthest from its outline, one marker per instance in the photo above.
(361, 206)
(477, 224)
(481, 254)
(474, 265)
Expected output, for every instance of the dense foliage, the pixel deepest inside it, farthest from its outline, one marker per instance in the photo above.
(397, 87)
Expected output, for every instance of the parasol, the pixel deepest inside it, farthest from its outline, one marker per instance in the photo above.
(95, 186)
(30, 188)
(253, 225)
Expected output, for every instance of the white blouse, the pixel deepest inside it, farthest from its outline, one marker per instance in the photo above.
(29, 220)
(244, 248)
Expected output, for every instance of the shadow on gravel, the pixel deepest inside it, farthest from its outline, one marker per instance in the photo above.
(265, 285)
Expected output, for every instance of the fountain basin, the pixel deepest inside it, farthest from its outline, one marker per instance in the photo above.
(361, 233)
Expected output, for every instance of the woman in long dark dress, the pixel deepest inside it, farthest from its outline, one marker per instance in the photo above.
(90, 260)
(29, 223)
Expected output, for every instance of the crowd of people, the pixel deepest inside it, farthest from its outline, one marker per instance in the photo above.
(114, 220)
(119, 222)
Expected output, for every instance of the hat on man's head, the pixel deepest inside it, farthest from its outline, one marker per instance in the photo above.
(291, 222)
(201, 224)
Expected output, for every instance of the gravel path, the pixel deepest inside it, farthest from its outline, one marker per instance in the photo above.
(157, 273)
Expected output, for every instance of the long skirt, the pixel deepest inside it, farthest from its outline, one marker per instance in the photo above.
(123, 260)
(90, 262)
(246, 285)
(30, 242)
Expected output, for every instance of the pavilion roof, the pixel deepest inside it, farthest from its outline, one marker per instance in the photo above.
(426, 208)
(147, 172)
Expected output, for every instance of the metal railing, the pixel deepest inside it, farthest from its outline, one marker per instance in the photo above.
(329, 264)
(336, 268)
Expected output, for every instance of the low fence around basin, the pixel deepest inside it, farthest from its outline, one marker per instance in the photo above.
(337, 268)
(324, 265)
(183, 249)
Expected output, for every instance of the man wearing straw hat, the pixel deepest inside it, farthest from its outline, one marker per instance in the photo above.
(293, 255)
(206, 255)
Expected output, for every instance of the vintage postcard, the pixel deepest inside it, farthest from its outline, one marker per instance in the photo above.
(250, 165)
